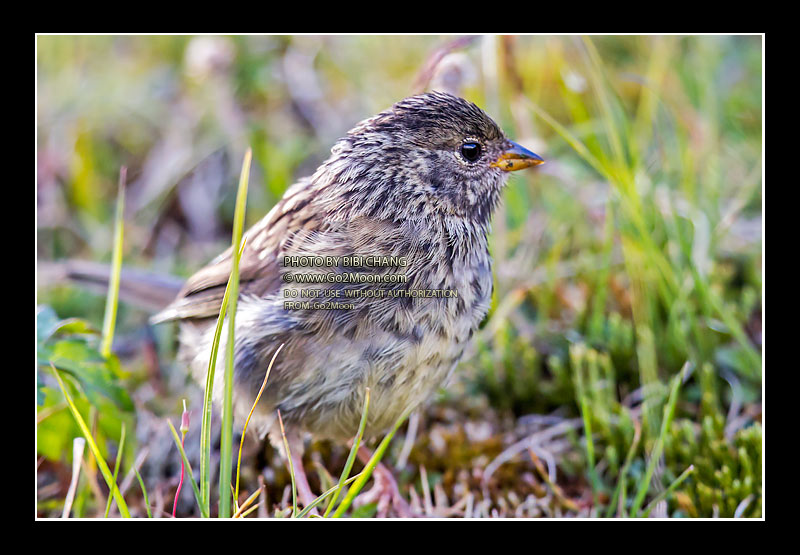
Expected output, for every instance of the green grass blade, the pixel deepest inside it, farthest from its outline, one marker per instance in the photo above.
(669, 411)
(370, 466)
(226, 440)
(581, 149)
(590, 459)
(328, 493)
(112, 486)
(601, 88)
(112, 300)
(657, 68)
(144, 493)
(352, 456)
(208, 404)
(620, 492)
(576, 354)
(663, 495)
(599, 303)
(116, 466)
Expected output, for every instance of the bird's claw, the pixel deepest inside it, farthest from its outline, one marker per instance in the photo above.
(386, 495)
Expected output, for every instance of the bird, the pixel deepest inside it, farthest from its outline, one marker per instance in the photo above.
(373, 273)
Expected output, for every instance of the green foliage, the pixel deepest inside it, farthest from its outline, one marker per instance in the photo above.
(95, 450)
(635, 249)
(656, 282)
(728, 465)
(72, 345)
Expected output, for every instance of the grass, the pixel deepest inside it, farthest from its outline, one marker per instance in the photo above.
(633, 252)
(226, 444)
(116, 467)
(369, 467)
(87, 434)
(112, 301)
(351, 457)
(205, 438)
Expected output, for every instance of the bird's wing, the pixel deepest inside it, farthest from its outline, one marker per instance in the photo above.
(259, 272)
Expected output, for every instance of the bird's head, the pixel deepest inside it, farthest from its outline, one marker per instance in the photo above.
(429, 153)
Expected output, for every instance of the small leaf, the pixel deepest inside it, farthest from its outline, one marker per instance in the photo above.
(75, 326)
(95, 374)
(46, 323)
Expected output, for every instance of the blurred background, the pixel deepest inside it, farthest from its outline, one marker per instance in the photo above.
(619, 369)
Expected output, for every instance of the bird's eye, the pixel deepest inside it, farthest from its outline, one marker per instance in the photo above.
(471, 151)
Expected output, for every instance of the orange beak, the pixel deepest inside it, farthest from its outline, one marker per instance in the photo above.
(517, 158)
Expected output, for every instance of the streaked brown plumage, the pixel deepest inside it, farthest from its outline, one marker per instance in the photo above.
(419, 180)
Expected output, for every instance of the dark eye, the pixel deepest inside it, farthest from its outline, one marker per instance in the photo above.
(471, 151)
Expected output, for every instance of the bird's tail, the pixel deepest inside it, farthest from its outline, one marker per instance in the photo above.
(149, 291)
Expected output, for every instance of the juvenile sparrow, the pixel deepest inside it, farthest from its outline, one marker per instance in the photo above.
(394, 227)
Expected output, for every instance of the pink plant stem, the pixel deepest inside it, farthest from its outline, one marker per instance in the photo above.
(180, 484)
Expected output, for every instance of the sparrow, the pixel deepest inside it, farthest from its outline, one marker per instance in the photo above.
(374, 272)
